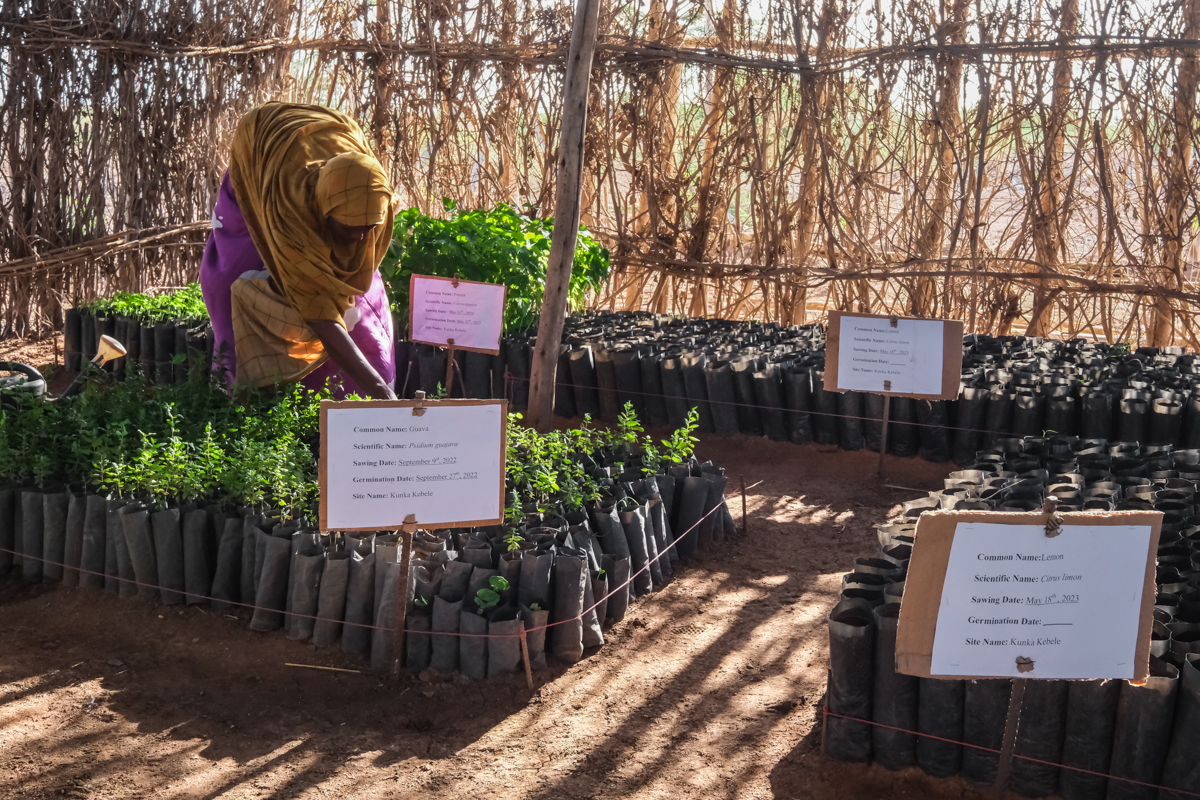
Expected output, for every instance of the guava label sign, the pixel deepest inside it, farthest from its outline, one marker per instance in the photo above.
(469, 315)
(1071, 604)
(381, 463)
(874, 356)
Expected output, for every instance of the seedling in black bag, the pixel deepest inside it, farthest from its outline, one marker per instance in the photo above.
(487, 599)
(513, 539)
(681, 444)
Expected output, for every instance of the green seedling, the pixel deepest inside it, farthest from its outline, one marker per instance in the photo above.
(628, 428)
(488, 598)
(682, 443)
(512, 539)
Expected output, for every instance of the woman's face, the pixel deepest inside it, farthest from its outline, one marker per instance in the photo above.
(347, 234)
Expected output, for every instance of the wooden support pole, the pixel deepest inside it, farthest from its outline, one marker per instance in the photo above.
(381, 118)
(567, 193)
(450, 364)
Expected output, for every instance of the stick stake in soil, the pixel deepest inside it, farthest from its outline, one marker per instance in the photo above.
(825, 718)
(525, 656)
(745, 524)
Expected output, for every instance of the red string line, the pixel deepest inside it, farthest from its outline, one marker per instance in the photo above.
(1177, 792)
(666, 551)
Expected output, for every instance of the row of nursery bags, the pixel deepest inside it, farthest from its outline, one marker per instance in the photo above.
(163, 351)
(1144, 734)
(576, 573)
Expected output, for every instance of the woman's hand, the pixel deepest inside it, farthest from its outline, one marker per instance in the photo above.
(345, 354)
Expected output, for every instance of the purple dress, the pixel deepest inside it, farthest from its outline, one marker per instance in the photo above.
(230, 253)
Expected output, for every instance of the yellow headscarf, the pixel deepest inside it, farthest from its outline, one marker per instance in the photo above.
(352, 189)
(291, 167)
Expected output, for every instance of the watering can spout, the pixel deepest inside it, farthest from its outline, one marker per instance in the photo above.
(107, 350)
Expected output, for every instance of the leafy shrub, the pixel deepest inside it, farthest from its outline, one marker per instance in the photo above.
(499, 245)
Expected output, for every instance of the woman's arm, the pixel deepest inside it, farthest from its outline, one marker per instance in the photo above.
(345, 354)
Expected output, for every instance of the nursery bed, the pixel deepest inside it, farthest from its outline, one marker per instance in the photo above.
(690, 697)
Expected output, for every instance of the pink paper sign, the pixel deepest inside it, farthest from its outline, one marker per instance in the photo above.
(469, 316)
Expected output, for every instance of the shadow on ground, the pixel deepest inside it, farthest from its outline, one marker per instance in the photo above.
(708, 689)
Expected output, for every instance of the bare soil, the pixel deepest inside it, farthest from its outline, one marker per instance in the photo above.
(710, 688)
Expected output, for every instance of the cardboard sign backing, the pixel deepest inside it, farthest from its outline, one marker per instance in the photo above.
(446, 520)
(927, 576)
(495, 295)
(951, 355)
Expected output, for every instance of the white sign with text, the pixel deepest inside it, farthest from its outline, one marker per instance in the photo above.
(471, 314)
(383, 463)
(872, 352)
(1071, 604)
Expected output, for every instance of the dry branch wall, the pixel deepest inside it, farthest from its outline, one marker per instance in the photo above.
(1019, 166)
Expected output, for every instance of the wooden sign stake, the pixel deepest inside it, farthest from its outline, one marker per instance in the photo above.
(1010, 736)
(407, 374)
(450, 364)
(887, 412)
(1015, 699)
(398, 625)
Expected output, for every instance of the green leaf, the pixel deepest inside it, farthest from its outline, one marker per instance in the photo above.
(486, 599)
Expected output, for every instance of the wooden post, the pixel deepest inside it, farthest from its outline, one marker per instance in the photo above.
(381, 118)
(1046, 194)
(450, 367)
(1178, 164)
(887, 412)
(566, 213)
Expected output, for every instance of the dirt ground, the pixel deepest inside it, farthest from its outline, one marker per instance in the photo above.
(708, 689)
(44, 354)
